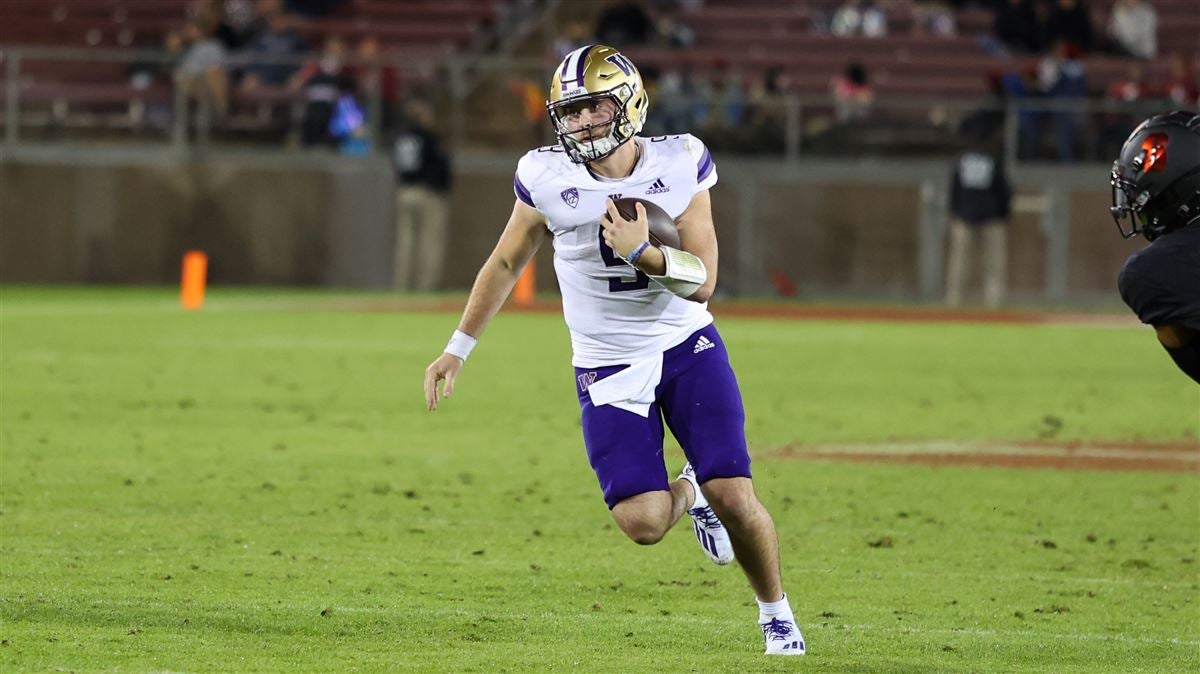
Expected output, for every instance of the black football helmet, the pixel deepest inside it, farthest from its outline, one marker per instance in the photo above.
(1156, 180)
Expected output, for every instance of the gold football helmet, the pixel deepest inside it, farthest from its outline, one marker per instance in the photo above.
(586, 76)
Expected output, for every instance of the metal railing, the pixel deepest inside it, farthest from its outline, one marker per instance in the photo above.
(788, 127)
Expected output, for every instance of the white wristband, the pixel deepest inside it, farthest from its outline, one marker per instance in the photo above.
(460, 344)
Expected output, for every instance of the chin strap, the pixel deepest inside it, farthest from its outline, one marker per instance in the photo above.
(685, 272)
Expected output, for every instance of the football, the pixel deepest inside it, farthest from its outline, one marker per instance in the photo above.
(662, 227)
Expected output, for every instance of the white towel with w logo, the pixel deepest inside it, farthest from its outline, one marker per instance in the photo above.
(631, 389)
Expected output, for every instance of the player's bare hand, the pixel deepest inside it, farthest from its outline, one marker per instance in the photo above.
(624, 235)
(446, 367)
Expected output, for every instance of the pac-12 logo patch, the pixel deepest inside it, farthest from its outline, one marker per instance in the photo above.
(571, 197)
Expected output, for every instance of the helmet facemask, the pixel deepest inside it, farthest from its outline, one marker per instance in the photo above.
(1144, 214)
(1127, 204)
(590, 143)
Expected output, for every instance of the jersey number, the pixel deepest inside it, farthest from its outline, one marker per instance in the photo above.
(616, 284)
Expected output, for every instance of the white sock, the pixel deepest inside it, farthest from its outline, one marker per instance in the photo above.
(700, 501)
(774, 609)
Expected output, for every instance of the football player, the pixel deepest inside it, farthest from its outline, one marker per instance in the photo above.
(644, 346)
(1156, 192)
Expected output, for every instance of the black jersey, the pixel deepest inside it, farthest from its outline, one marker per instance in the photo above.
(1161, 282)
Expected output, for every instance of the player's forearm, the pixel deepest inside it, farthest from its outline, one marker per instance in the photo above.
(652, 262)
(492, 286)
(683, 273)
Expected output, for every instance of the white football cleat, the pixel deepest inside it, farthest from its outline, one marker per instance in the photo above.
(711, 533)
(782, 636)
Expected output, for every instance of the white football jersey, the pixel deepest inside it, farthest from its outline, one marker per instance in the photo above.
(615, 313)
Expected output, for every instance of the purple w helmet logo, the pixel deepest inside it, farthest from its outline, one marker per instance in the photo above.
(570, 196)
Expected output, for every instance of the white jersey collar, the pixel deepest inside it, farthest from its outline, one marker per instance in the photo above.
(634, 175)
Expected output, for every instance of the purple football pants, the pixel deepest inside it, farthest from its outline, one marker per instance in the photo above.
(698, 398)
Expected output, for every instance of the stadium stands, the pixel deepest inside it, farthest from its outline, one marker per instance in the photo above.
(418, 33)
(736, 41)
(410, 26)
(754, 36)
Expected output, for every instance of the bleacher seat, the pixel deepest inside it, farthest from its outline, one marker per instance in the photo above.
(753, 36)
(415, 32)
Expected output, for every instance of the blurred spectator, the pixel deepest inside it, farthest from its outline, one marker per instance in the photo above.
(852, 93)
(533, 99)
(1015, 86)
(934, 17)
(980, 203)
(275, 43)
(672, 107)
(1016, 26)
(698, 92)
(531, 94)
(1133, 27)
(847, 19)
(230, 21)
(1115, 126)
(765, 113)
(1181, 88)
(422, 210)
(201, 69)
(322, 84)
(1129, 88)
(258, 16)
(859, 16)
(1070, 22)
(153, 66)
(672, 31)
(377, 78)
(775, 82)
(573, 36)
(729, 100)
(237, 23)
(624, 23)
(874, 20)
(766, 91)
(714, 101)
(1061, 76)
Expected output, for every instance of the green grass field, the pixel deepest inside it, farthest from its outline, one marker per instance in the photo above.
(257, 487)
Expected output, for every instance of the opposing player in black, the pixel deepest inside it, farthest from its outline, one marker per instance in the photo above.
(1156, 192)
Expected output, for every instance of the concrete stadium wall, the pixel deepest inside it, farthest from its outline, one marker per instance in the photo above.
(856, 229)
(131, 222)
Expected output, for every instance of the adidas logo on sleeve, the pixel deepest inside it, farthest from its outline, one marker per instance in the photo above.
(703, 344)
